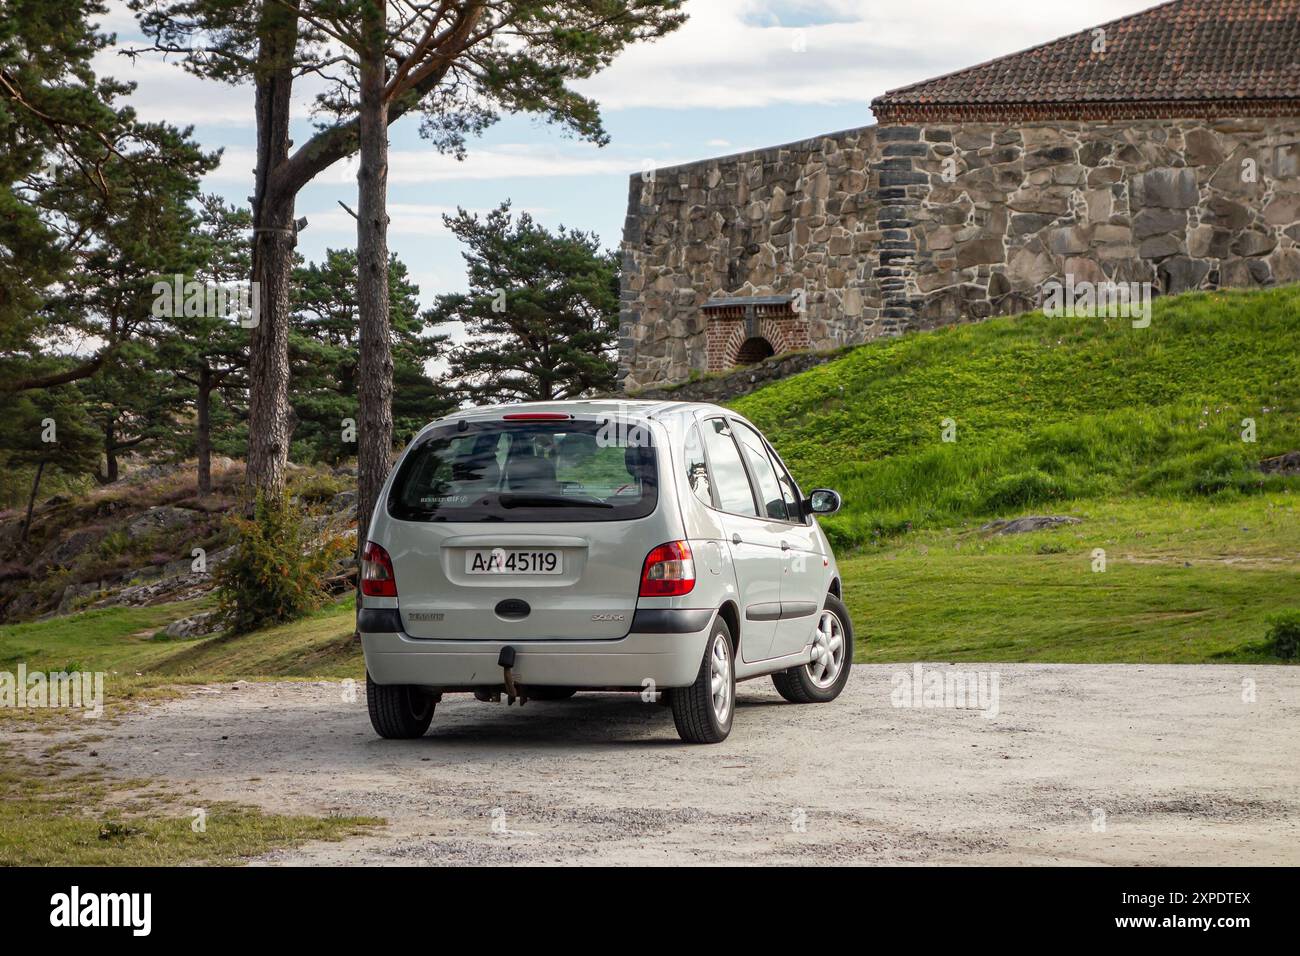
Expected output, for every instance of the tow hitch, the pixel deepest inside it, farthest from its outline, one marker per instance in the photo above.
(506, 661)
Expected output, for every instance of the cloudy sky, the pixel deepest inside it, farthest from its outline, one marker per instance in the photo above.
(739, 74)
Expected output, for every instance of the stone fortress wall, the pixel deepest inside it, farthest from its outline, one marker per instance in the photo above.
(771, 222)
(880, 230)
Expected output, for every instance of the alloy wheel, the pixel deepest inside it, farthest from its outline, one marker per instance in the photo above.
(720, 677)
(828, 650)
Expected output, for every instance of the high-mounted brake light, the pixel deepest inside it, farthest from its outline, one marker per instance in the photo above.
(669, 570)
(537, 417)
(377, 578)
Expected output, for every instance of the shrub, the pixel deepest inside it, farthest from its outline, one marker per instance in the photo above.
(1284, 635)
(316, 488)
(278, 570)
(1215, 471)
(114, 545)
(1022, 489)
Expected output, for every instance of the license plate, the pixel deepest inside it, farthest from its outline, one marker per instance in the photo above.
(511, 561)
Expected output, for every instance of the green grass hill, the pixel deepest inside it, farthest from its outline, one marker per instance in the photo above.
(1046, 411)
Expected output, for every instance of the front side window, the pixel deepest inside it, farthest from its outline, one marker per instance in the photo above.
(730, 481)
(789, 491)
(769, 488)
(525, 471)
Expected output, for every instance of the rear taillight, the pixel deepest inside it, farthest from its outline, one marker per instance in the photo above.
(377, 572)
(669, 570)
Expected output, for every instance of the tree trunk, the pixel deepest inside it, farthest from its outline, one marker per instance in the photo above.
(273, 244)
(203, 435)
(375, 365)
(110, 454)
(31, 502)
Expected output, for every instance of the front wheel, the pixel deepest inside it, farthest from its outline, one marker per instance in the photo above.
(703, 711)
(824, 676)
(399, 711)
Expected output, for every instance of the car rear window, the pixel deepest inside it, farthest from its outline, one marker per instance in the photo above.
(570, 470)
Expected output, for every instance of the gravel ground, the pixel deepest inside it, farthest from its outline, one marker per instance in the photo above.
(1115, 764)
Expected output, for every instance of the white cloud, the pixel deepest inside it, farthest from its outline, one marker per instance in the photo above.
(426, 279)
(406, 219)
(164, 91)
(752, 53)
(117, 18)
(531, 160)
(414, 166)
(417, 219)
(730, 54)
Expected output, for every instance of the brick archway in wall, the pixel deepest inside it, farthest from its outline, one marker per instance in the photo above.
(745, 330)
(753, 350)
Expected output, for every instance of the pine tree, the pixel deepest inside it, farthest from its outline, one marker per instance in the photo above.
(459, 63)
(324, 353)
(208, 352)
(92, 197)
(541, 314)
(48, 429)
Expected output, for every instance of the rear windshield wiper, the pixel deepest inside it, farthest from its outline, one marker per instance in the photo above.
(509, 500)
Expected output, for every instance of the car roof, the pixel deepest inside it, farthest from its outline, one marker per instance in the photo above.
(588, 406)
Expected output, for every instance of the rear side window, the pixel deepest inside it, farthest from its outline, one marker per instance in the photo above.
(769, 488)
(697, 467)
(527, 471)
(728, 471)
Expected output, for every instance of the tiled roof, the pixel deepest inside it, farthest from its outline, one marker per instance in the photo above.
(1183, 52)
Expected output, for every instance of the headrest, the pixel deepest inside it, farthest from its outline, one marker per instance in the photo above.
(529, 472)
(639, 461)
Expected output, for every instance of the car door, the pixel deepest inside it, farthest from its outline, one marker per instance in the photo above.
(803, 586)
(785, 525)
(755, 547)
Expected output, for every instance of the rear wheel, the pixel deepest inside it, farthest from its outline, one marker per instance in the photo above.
(399, 711)
(703, 711)
(823, 677)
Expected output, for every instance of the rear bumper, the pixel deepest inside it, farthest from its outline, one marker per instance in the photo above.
(658, 649)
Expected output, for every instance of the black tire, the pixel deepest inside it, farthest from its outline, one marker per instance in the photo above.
(399, 711)
(799, 686)
(694, 712)
(549, 693)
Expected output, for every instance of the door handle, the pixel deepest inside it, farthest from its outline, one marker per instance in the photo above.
(785, 545)
(735, 539)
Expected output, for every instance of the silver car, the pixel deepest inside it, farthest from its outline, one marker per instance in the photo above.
(538, 550)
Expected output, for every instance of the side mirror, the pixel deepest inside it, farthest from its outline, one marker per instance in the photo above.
(823, 501)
